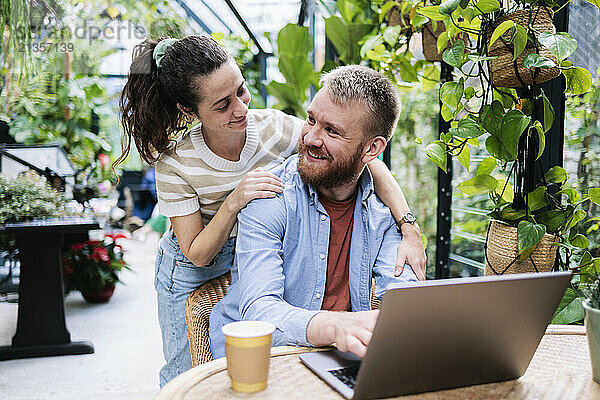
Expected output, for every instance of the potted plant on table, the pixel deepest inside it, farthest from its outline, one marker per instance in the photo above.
(497, 104)
(93, 268)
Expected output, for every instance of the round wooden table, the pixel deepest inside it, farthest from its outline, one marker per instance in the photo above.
(560, 369)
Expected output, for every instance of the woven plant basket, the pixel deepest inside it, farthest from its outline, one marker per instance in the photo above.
(504, 72)
(502, 250)
(429, 40)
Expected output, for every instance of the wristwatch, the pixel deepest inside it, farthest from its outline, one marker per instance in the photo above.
(408, 218)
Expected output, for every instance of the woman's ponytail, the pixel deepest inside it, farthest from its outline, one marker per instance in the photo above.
(148, 104)
(149, 115)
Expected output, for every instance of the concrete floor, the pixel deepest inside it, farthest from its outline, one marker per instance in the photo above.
(124, 332)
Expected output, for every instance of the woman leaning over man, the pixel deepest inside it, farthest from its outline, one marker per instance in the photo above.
(213, 170)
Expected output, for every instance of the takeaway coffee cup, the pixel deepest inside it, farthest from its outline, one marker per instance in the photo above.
(248, 349)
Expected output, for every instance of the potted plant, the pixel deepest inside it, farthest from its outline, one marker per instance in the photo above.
(592, 323)
(93, 268)
(25, 198)
(500, 107)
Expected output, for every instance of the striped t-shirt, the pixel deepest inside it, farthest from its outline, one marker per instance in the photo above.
(190, 177)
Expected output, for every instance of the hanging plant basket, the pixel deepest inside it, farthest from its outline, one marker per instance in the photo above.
(429, 40)
(504, 71)
(395, 18)
(502, 257)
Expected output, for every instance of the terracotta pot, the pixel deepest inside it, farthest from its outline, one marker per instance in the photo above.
(99, 296)
(504, 73)
(502, 250)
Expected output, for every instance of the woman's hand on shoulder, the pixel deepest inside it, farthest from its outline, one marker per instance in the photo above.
(256, 184)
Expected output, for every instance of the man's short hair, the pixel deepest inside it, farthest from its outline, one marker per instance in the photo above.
(369, 88)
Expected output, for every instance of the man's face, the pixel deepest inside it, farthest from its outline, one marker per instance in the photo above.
(332, 143)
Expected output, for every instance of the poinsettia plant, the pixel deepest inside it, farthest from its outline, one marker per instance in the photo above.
(94, 265)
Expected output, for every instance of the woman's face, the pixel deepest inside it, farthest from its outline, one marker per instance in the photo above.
(225, 98)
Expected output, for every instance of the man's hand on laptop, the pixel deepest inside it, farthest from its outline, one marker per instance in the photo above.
(350, 331)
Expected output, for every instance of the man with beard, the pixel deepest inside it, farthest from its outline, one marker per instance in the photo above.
(308, 255)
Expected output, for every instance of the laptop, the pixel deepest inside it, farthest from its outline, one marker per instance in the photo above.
(448, 333)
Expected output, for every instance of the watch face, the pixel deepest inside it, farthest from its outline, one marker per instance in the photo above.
(410, 218)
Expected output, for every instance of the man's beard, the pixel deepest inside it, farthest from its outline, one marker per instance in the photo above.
(328, 174)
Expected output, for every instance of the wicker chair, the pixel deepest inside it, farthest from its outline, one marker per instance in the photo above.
(197, 314)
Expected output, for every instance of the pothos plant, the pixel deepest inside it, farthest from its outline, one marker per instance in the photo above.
(509, 119)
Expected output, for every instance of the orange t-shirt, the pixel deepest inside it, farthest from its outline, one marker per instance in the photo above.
(337, 290)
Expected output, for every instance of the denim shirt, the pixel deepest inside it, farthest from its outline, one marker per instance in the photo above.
(281, 256)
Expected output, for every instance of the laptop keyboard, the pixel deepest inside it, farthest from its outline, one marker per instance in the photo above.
(346, 375)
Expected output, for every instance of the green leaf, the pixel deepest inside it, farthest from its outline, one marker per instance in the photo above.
(529, 236)
(450, 95)
(297, 71)
(569, 309)
(466, 129)
(448, 7)
(505, 190)
(379, 53)
(442, 42)
(561, 44)
(487, 6)
(501, 30)
(407, 71)
(535, 60)
(371, 43)
(571, 193)
(464, 157)
(594, 195)
(580, 241)
(391, 34)
(294, 40)
(469, 92)
(537, 199)
(556, 175)
(487, 166)
(548, 112)
(480, 184)
(579, 80)
(431, 77)
(511, 214)
(519, 41)
(553, 219)
(579, 215)
(419, 20)
(345, 38)
(490, 116)
(455, 56)
(505, 96)
(446, 113)
(541, 138)
(504, 144)
(436, 151)
(431, 12)
(287, 97)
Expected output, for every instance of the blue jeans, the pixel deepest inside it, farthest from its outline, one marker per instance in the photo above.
(176, 277)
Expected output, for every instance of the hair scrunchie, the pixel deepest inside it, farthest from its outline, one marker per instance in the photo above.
(160, 49)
